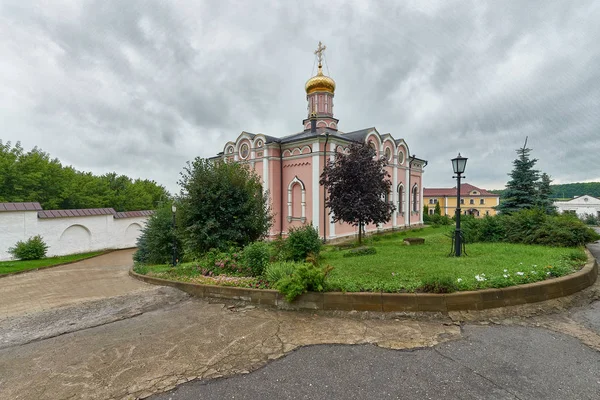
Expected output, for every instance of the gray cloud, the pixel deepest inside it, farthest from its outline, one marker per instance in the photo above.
(140, 87)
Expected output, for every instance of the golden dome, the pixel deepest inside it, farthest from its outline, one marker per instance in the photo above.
(320, 83)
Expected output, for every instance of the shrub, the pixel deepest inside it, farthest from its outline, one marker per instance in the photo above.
(155, 244)
(225, 262)
(141, 269)
(590, 219)
(360, 251)
(532, 226)
(32, 249)
(565, 231)
(223, 205)
(276, 271)
(278, 250)
(256, 257)
(301, 242)
(305, 278)
(523, 226)
(437, 285)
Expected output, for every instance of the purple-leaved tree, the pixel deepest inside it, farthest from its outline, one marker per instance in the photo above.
(358, 188)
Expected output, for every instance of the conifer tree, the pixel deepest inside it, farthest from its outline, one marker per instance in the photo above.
(544, 193)
(437, 210)
(521, 191)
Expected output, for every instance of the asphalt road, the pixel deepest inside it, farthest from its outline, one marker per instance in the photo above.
(489, 362)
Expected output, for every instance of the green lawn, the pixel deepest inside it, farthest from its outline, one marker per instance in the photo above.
(398, 267)
(7, 267)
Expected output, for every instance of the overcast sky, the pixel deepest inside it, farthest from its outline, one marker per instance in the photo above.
(140, 87)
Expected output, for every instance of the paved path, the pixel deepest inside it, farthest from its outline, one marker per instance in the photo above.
(488, 363)
(148, 339)
(96, 278)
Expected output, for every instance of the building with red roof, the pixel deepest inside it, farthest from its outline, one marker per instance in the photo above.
(473, 200)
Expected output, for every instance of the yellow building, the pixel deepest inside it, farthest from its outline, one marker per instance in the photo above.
(473, 200)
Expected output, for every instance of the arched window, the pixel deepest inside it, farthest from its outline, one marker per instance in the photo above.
(415, 198)
(296, 201)
(401, 199)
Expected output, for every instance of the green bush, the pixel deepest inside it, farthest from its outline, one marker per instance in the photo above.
(222, 205)
(256, 257)
(305, 278)
(531, 226)
(360, 251)
(228, 262)
(437, 220)
(278, 250)
(155, 244)
(523, 226)
(590, 219)
(301, 242)
(32, 249)
(564, 231)
(141, 269)
(276, 271)
(437, 285)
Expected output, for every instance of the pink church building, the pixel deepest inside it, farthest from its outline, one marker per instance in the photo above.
(290, 166)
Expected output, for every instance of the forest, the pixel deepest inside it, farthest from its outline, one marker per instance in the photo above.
(567, 191)
(35, 176)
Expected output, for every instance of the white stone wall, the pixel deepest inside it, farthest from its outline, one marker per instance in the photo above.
(69, 235)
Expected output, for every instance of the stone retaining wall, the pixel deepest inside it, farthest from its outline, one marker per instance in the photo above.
(397, 302)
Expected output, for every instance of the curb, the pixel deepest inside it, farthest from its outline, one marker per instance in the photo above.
(56, 265)
(397, 302)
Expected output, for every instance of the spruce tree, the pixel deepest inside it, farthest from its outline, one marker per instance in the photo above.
(521, 191)
(438, 209)
(544, 193)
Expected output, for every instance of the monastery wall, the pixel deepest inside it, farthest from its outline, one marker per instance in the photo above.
(69, 235)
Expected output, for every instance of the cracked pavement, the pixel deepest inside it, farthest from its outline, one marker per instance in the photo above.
(158, 342)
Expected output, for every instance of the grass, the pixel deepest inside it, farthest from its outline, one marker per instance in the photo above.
(400, 268)
(396, 267)
(7, 267)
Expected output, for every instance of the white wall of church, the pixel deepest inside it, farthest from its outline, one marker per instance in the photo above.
(69, 235)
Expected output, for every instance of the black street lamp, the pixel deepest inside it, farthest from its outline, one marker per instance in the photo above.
(174, 209)
(458, 165)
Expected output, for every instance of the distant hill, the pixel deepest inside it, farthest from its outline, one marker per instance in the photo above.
(568, 190)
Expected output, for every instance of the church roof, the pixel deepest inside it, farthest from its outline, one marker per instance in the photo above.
(358, 136)
(267, 137)
(306, 135)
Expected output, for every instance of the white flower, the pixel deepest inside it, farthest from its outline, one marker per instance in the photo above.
(534, 265)
(393, 274)
(505, 270)
(505, 275)
(520, 263)
(548, 273)
(460, 279)
(480, 278)
(520, 273)
(533, 272)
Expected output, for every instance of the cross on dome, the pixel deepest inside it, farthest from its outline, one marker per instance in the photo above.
(319, 52)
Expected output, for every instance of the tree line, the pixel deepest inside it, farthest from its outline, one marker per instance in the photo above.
(33, 176)
(567, 190)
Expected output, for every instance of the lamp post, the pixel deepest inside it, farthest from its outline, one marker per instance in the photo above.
(174, 209)
(458, 165)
